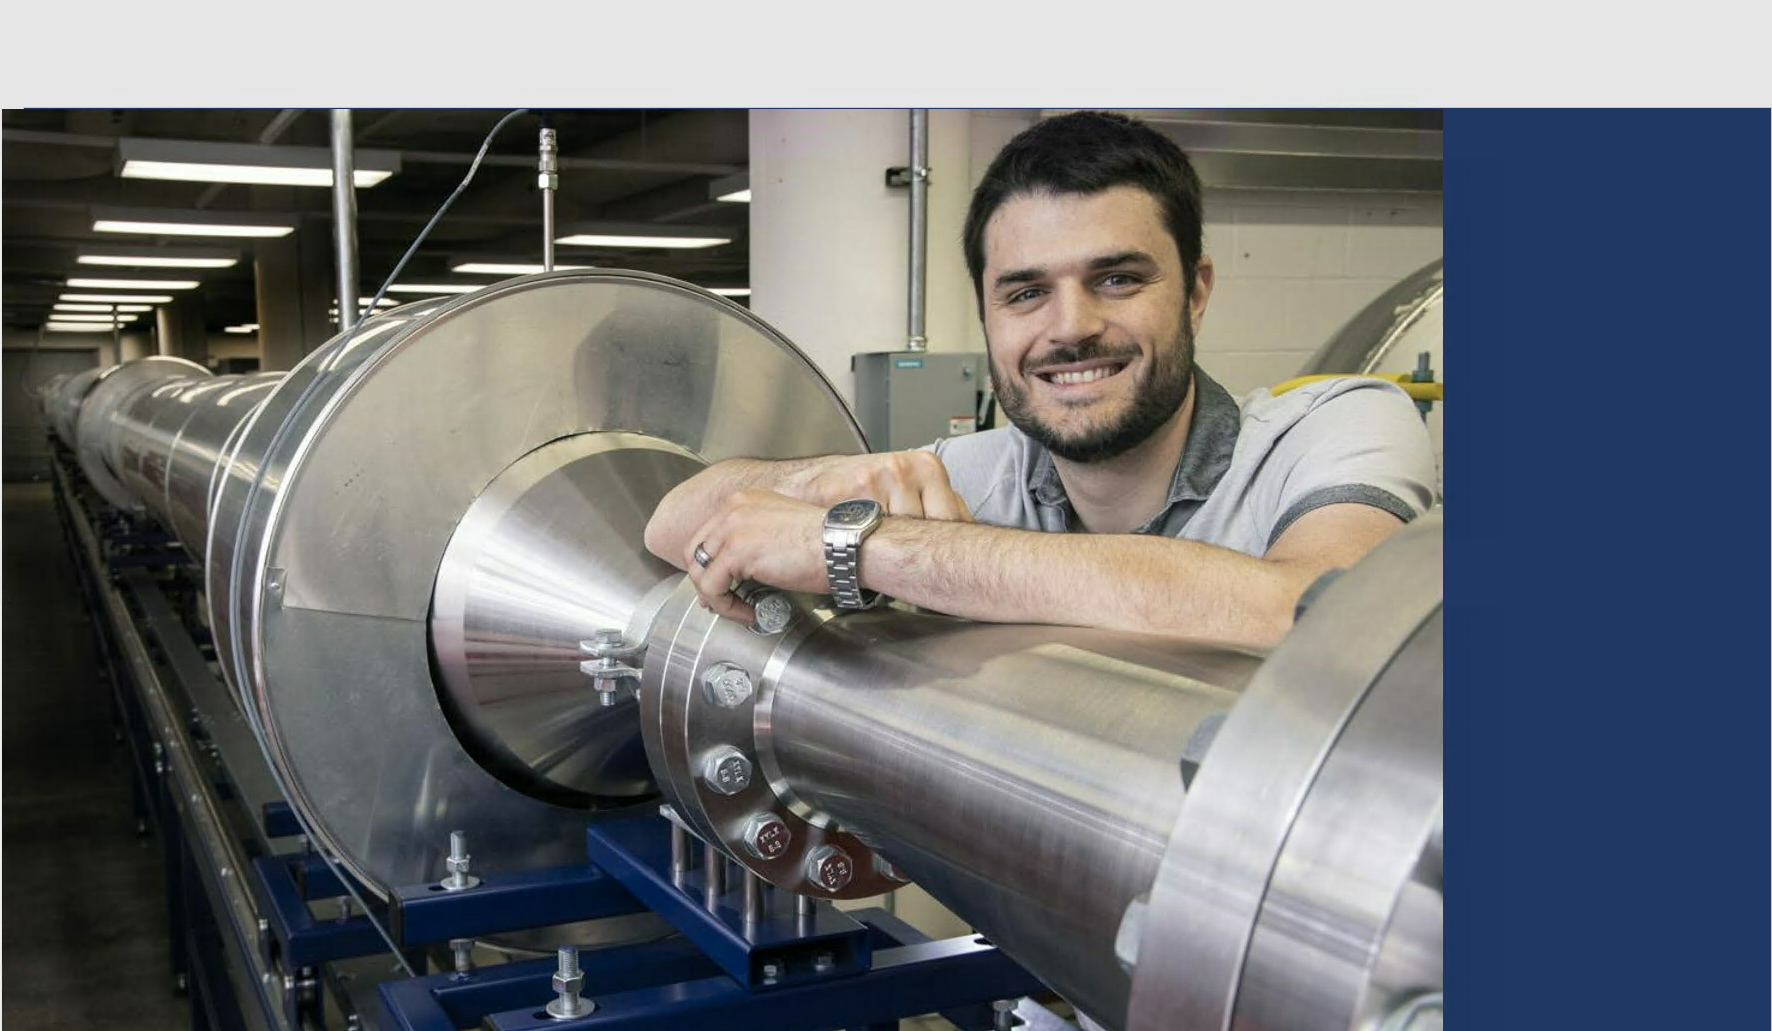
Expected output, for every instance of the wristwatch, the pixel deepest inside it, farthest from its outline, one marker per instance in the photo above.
(846, 525)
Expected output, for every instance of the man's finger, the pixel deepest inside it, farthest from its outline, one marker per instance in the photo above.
(942, 503)
(904, 500)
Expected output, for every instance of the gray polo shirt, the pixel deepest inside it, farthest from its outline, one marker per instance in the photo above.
(1248, 471)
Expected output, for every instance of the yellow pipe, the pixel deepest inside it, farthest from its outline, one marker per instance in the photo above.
(1418, 391)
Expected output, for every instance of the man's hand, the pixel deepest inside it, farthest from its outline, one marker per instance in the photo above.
(905, 483)
(757, 535)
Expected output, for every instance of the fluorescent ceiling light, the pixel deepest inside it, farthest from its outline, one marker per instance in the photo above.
(134, 284)
(77, 327)
(499, 268)
(434, 288)
(106, 319)
(119, 298)
(174, 222)
(736, 196)
(104, 307)
(257, 164)
(624, 240)
(730, 291)
(247, 327)
(168, 258)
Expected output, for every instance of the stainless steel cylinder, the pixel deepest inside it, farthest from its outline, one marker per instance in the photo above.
(1027, 777)
(1170, 835)
(98, 446)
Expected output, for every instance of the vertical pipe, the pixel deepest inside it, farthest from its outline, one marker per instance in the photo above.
(548, 179)
(344, 215)
(713, 871)
(919, 228)
(755, 902)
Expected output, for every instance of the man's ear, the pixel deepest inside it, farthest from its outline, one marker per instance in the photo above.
(1203, 273)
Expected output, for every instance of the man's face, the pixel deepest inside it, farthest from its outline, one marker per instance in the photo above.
(1086, 315)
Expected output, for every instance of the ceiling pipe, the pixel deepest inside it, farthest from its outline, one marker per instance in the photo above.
(344, 216)
(919, 182)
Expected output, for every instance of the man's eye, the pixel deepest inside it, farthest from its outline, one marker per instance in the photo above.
(1119, 279)
(1024, 295)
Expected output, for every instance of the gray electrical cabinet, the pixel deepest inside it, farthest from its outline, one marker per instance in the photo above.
(906, 399)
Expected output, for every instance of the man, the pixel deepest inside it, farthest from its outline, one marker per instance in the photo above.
(1129, 491)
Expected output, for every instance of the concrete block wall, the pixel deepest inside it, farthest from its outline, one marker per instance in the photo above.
(1292, 268)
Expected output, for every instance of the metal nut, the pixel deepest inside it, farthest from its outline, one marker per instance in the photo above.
(766, 836)
(829, 867)
(569, 984)
(727, 685)
(726, 771)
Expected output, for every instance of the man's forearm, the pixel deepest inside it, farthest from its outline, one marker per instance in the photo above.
(1123, 582)
(691, 502)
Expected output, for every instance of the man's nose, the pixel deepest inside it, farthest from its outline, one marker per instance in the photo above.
(1076, 315)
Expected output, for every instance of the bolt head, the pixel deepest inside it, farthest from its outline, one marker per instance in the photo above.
(824, 961)
(726, 771)
(771, 971)
(457, 865)
(607, 636)
(774, 612)
(767, 837)
(727, 686)
(830, 868)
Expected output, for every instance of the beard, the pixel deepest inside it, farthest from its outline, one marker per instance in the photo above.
(1157, 396)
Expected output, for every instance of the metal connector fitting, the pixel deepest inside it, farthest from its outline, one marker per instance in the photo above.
(608, 667)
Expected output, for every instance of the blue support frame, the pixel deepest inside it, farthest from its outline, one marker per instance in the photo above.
(636, 851)
(424, 913)
(669, 986)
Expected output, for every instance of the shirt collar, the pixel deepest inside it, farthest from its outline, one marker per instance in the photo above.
(1211, 440)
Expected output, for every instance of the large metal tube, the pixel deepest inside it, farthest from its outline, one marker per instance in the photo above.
(1027, 777)
(917, 338)
(1122, 814)
(344, 215)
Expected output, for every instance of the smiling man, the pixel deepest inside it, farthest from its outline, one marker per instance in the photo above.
(1130, 491)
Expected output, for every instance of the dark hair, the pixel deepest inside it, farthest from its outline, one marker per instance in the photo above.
(1088, 152)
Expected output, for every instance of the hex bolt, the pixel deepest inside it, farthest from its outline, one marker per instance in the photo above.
(726, 771)
(829, 867)
(771, 972)
(824, 962)
(458, 862)
(607, 638)
(569, 981)
(1003, 1015)
(766, 836)
(773, 613)
(463, 948)
(727, 685)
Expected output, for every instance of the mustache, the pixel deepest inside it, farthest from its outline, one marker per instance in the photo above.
(1067, 355)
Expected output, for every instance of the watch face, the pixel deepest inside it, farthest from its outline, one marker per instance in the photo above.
(853, 513)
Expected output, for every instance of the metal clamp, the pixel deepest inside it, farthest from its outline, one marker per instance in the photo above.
(608, 671)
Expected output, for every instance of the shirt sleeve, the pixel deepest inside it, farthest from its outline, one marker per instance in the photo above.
(1361, 441)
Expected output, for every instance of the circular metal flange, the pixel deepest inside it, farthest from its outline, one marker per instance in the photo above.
(550, 553)
(692, 715)
(346, 488)
(108, 396)
(1297, 839)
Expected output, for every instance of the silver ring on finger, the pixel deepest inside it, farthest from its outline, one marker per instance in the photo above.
(702, 558)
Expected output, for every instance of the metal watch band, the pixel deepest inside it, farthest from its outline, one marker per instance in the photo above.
(842, 561)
